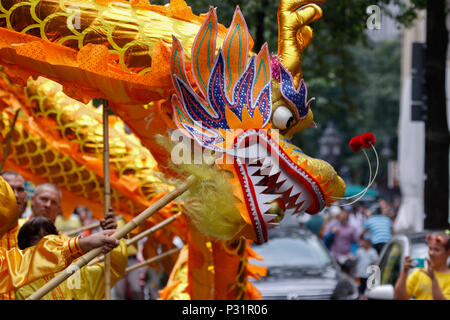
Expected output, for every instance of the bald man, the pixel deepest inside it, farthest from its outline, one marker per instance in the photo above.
(46, 201)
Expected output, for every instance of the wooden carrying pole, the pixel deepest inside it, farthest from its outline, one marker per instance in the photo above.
(153, 229)
(72, 233)
(151, 260)
(107, 193)
(143, 234)
(82, 261)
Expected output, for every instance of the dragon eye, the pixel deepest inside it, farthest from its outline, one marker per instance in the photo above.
(282, 118)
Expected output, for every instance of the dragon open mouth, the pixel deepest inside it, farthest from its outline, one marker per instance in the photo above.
(268, 174)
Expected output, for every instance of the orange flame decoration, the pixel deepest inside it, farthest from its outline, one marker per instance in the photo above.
(232, 93)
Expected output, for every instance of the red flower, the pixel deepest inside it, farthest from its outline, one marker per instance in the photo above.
(355, 144)
(367, 139)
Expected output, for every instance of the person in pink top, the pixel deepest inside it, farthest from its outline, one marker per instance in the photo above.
(344, 236)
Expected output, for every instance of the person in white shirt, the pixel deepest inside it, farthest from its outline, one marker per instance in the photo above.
(365, 255)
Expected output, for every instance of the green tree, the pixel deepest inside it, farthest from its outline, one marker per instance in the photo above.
(375, 95)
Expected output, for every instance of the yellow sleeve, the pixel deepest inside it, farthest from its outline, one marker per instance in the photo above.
(119, 262)
(52, 254)
(444, 284)
(411, 282)
(93, 277)
(24, 292)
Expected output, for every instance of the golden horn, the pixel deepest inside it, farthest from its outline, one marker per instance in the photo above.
(294, 34)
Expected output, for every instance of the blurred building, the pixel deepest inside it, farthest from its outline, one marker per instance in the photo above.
(412, 134)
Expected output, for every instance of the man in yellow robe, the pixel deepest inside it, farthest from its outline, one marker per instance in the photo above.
(52, 253)
(45, 202)
(8, 240)
(87, 284)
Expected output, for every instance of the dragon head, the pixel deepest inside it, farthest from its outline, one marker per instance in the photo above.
(229, 109)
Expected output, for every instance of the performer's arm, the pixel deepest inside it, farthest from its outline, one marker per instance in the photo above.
(52, 254)
(400, 289)
(94, 275)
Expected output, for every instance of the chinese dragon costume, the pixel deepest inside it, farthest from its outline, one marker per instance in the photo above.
(163, 70)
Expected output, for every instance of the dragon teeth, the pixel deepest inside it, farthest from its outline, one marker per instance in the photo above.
(285, 187)
(292, 196)
(265, 207)
(297, 189)
(273, 225)
(269, 217)
(282, 177)
(266, 167)
(274, 170)
(302, 198)
(302, 207)
(254, 160)
(266, 198)
(267, 161)
(273, 178)
(279, 184)
(303, 202)
(252, 169)
(265, 171)
(290, 211)
(259, 189)
(256, 179)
